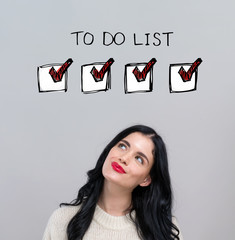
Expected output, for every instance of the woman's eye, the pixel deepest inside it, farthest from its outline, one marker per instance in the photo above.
(139, 159)
(122, 146)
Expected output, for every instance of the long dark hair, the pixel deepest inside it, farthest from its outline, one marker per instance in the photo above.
(152, 204)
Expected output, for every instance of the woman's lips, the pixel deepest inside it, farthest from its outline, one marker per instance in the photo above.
(117, 167)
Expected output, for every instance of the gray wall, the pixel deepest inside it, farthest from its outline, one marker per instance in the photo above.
(49, 140)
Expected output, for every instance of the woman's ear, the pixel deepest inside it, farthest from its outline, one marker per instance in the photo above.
(146, 182)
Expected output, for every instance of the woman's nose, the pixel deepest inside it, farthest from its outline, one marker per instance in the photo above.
(125, 158)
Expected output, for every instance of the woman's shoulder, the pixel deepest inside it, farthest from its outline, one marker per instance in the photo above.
(63, 214)
(58, 222)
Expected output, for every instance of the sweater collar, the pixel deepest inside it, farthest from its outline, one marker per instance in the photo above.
(112, 222)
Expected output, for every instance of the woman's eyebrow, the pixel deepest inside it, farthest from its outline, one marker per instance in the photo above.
(143, 155)
(126, 142)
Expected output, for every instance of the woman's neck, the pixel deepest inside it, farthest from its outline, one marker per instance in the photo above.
(115, 200)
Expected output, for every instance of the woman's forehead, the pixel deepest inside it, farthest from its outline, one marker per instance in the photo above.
(140, 141)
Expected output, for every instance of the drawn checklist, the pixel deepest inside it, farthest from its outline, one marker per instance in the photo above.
(138, 77)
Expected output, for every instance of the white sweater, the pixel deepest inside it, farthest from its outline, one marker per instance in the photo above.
(102, 227)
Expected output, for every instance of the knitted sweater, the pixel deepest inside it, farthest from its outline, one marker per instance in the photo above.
(103, 226)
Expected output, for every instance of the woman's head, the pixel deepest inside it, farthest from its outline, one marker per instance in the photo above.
(129, 162)
(140, 148)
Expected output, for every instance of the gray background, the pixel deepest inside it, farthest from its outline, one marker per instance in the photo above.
(49, 141)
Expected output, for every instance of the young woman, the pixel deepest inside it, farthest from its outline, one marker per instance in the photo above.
(127, 195)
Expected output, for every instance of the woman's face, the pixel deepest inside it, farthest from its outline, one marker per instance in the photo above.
(129, 162)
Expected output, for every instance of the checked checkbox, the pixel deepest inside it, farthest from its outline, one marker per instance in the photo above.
(183, 77)
(53, 77)
(139, 77)
(96, 77)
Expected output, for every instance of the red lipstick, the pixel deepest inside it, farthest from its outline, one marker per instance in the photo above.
(117, 167)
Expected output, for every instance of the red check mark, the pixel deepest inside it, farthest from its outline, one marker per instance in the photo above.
(99, 75)
(186, 76)
(57, 75)
(140, 76)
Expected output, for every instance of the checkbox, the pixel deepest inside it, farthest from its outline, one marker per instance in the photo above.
(45, 81)
(176, 83)
(132, 84)
(91, 84)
